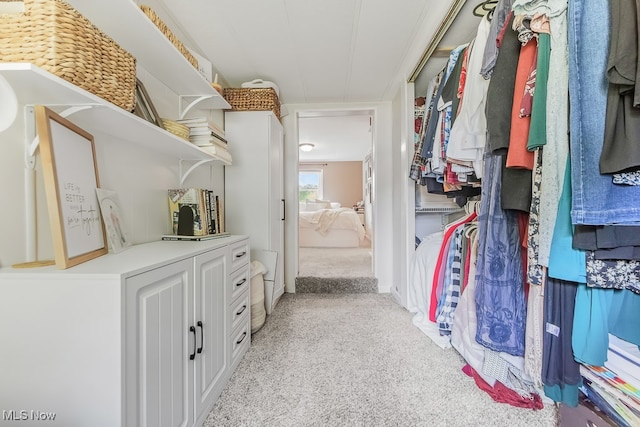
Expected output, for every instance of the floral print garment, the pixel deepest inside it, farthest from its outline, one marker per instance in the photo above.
(613, 274)
(499, 294)
(535, 272)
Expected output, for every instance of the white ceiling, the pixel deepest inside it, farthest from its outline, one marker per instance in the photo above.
(338, 137)
(316, 51)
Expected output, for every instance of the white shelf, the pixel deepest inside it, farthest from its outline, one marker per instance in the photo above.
(34, 86)
(127, 25)
(438, 209)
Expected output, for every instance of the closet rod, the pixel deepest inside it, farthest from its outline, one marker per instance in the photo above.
(439, 34)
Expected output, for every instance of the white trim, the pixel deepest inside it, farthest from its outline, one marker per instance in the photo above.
(382, 243)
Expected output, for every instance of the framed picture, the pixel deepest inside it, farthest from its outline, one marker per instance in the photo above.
(70, 180)
(114, 222)
(144, 107)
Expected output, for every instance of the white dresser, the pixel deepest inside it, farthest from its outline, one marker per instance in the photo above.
(146, 337)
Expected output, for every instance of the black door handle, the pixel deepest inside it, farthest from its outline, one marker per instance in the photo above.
(193, 355)
(241, 282)
(201, 336)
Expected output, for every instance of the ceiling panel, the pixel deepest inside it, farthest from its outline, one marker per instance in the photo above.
(336, 138)
(316, 51)
(385, 32)
(323, 35)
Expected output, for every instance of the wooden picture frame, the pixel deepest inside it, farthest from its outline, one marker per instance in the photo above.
(70, 180)
(144, 107)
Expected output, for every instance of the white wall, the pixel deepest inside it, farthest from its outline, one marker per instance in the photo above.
(403, 199)
(382, 188)
(140, 177)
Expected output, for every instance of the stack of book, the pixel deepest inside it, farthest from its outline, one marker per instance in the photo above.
(207, 136)
(613, 388)
(202, 133)
(196, 214)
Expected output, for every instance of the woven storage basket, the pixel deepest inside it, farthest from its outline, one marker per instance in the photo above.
(253, 99)
(55, 37)
(169, 34)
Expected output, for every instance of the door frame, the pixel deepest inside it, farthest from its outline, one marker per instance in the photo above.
(382, 240)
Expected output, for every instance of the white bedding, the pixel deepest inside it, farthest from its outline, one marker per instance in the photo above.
(327, 224)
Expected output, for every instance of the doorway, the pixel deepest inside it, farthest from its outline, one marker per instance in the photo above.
(335, 200)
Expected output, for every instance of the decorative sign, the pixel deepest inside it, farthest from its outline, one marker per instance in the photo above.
(71, 179)
(113, 220)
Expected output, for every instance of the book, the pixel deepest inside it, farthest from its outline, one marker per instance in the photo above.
(217, 151)
(213, 227)
(607, 380)
(604, 405)
(221, 215)
(174, 237)
(204, 211)
(186, 210)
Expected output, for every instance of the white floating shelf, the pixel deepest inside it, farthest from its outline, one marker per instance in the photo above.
(34, 86)
(127, 25)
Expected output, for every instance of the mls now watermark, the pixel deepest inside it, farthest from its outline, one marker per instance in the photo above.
(27, 415)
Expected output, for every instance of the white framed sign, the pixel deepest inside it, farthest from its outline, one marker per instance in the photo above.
(70, 180)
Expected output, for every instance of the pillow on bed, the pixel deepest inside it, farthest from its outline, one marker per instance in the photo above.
(335, 205)
(312, 207)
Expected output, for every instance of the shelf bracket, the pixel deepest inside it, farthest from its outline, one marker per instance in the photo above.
(31, 132)
(185, 173)
(191, 101)
(32, 141)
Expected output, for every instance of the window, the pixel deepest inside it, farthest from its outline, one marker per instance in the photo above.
(310, 185)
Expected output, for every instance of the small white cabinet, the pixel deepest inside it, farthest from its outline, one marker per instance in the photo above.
(146, 337)
(158, 323)
(254, 189)
(211, 329)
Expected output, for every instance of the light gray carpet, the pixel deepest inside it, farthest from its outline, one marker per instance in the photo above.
(355, 360)
(336, 285)
(335, 262)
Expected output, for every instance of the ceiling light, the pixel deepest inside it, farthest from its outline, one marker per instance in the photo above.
(306, 146)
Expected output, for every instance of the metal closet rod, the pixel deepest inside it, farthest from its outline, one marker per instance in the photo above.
(439, 34)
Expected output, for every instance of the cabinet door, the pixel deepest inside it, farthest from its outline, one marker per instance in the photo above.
(211, 360)
(277, 202)
(159, 373)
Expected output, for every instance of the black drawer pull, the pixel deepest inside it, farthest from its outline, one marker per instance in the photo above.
(244, 335)
(241, 254)
(193, 355)
(201, 336)
(241, 282)
(244, 307)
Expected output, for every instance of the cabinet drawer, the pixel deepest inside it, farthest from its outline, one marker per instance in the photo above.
(239, 254)
(239, 282)
(240, 309)
(240, 341)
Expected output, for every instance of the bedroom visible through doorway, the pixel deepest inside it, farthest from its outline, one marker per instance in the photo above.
(335, 232)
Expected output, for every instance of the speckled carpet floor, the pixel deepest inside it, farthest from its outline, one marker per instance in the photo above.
(335, 262)
(335, 270)
(355, 360)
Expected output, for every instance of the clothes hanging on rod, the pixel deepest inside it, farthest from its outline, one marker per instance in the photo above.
(526, 244)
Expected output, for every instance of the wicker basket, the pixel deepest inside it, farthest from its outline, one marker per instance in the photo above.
(253, 99)
(169, 35)
(55, 37)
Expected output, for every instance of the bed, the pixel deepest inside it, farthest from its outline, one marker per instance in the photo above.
(327, 225)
